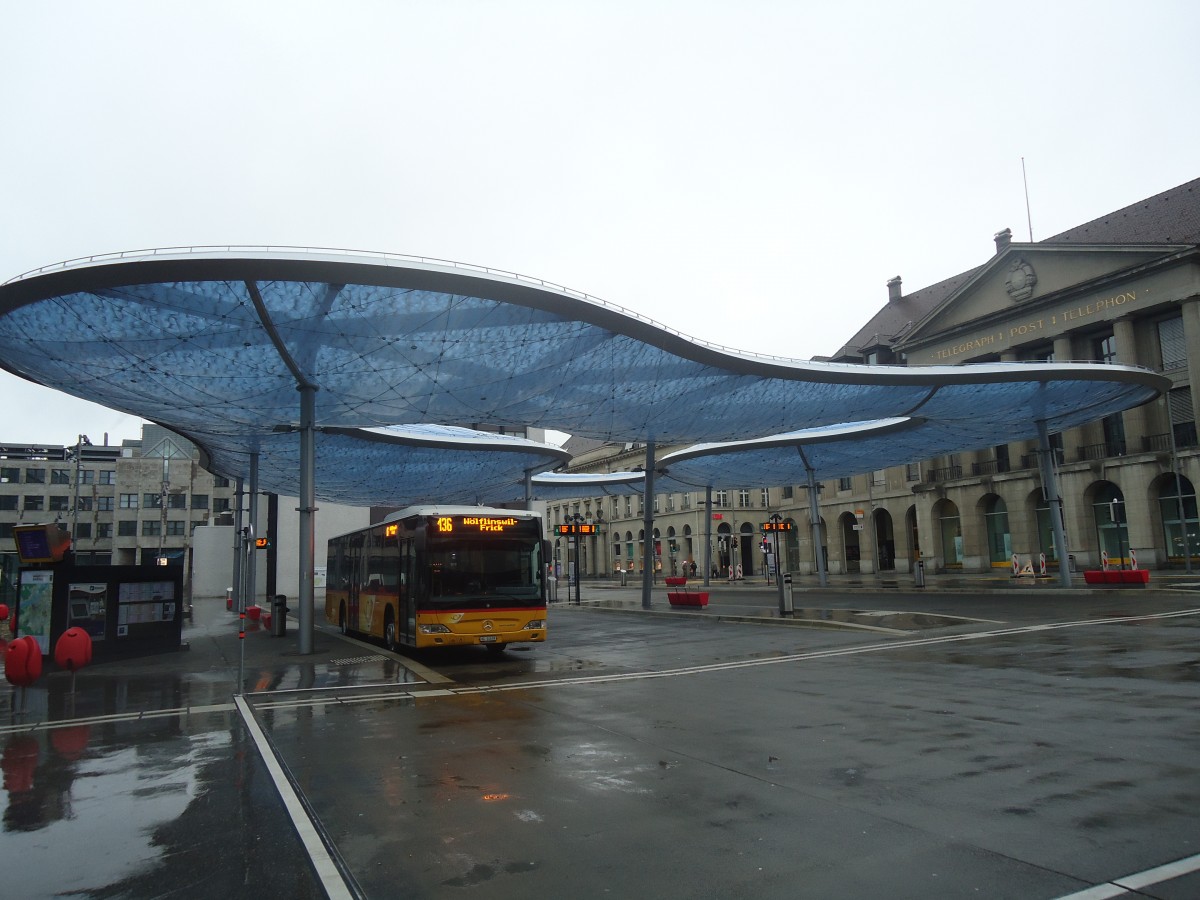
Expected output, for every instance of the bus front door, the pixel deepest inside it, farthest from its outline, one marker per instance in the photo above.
(407, 591)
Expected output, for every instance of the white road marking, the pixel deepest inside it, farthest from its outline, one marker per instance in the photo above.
(1129, 883)
(324, 866)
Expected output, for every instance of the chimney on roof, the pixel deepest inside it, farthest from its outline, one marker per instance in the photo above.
(894, 292)
(1003, 239)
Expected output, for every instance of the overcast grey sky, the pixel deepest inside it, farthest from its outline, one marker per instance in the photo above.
(749, 172)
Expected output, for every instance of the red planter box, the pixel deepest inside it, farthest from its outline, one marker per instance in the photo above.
(1117, 576)
(688, 598)
(676, 581)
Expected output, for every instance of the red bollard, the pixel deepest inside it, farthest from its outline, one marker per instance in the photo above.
(73, 649)
(23, 662)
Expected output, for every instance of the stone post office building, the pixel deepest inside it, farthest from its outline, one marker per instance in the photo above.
(1123, 288)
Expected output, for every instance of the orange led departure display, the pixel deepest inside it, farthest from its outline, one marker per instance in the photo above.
(776, 526)
(582, 528)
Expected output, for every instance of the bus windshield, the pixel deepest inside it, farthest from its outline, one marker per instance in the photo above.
(486, 573)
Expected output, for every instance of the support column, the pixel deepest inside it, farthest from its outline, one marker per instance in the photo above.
(1054, 501)
(707, 533)
(1134, 420)
(239, 599)
(814, 511)
(308, 456)
(251, 552)
(1191, 340)
(648, 528)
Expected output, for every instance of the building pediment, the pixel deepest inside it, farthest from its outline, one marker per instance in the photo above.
(1026, 282)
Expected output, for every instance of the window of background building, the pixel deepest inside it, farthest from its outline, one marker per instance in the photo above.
(104, 530)
(656, 504)
(743, 499)
(1182, 417)
(628, 507)
(87, 476)
(85, 504)
(1105, 349)
(152, 501)
(1172, 351)
(35, 476)
(176, 501)
(151, 528)
(34, 503)
(60, 476)
(220, 482)
(176, 529)
(845, 484)
(879, 477)
(912, 472)
(721, 498)
(220, 504)
(8, 502)
(196, 525)
(787, 492)
(127, 528)
(9, 475)
(83, 529)
(6, 530)
(104, 504)
(199, 501)
(616, 507)
(764, 499)
(108, 476)
(129, 501)
(60, 504)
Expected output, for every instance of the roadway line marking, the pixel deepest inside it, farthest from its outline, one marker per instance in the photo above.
(712, 667)
(117, 717)
(326, 869)
(1130, 883)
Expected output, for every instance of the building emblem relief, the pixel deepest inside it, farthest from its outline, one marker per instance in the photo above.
(1021, 280)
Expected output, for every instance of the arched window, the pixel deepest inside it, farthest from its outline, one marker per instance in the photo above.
(1112, 531)
(1171, 501)
(995, 518)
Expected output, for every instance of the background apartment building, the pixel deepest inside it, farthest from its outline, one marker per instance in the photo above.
(126, 505)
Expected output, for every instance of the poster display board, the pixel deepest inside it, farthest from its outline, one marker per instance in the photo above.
(35, 605)
(127, 610)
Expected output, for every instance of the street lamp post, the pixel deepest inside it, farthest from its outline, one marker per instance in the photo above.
(79, 445)
(776, 522)
(573, 521)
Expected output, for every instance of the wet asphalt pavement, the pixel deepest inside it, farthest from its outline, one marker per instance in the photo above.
(1015, 743)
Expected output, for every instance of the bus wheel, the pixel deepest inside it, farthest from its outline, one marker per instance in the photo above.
(389, 630)
(342, 619)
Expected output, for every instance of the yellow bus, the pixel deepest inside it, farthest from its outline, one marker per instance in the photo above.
(441, 576)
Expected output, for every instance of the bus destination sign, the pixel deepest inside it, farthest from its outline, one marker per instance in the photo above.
(449, 524)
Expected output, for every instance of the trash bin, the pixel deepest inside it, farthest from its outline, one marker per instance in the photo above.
(229, 598)
(919, 573)
(279, 615)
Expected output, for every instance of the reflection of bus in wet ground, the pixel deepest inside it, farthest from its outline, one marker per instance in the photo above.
(440, 576)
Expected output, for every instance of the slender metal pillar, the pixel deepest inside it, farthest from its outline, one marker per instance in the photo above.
(252, 553)
(814, 512)
(239, 597)
(648, 528)
(1054, 501)
(707, 533)
(308, 456)
(529, 489)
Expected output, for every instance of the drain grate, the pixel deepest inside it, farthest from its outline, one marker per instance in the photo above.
(355, 660)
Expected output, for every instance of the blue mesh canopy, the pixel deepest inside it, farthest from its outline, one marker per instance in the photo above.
(213, 344)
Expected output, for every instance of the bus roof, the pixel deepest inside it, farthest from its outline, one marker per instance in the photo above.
(450, 510)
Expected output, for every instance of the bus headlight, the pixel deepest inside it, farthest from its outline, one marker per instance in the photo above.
(434, 629)
(535, 623)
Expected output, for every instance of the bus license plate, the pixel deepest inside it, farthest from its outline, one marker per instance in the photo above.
(488, 639)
